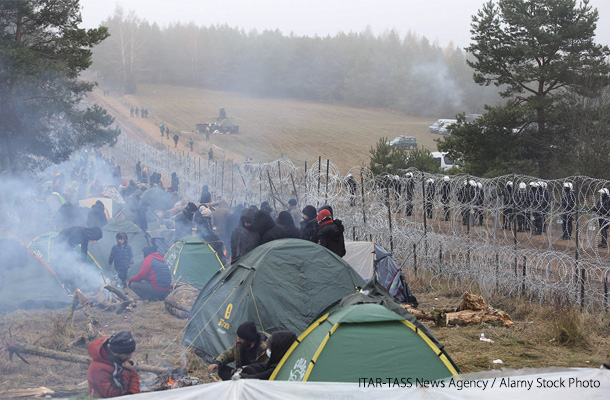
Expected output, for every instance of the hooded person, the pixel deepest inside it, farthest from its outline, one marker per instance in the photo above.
(184, 222)
(97, 215)
(284, 219)
(111, 372)
(79, 235)
(154, 280)
(265, 206)
(244, 238)
(206, 196)
(277, 344)
(266, 227)
(122, 256)
(330, 233)
(249, 348)
(203, 220)
(309, 225)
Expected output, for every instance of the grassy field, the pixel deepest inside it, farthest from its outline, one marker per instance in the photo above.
(302, 131)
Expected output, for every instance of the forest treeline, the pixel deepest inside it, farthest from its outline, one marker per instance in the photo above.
(409, 74)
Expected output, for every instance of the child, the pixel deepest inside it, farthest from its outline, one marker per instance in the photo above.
(122, 256)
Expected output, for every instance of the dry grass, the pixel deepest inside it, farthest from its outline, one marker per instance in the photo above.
(300, 130)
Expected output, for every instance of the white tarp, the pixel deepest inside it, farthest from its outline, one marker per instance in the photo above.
(551, 383)
(361, 255)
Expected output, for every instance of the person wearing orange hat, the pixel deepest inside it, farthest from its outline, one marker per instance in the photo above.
(330, 233)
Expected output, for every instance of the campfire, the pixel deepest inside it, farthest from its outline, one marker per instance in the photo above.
(173, 379)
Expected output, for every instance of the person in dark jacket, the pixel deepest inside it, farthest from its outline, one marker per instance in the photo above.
(97, 215)
(568, 207)
(284, 219)
(309, 225)
(184, 222)
(154, 280)
(244, 238)
(265, 206)
(122, 256)
(264, 225)
(330, 233)
(75, 235)
(175, 183)
(111, 372)
(602, 209)
(203, 220)
(278, 344)
(206, 196)
(250, 348)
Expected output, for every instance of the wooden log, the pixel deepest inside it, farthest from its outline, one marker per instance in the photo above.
(118, 293)
(63, 356)
(29, 393)
(466, 317)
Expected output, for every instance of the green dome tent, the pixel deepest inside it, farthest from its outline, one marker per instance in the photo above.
(283, 284)
(26, 281)
(192, 260)
(364, 340)
(99, 251)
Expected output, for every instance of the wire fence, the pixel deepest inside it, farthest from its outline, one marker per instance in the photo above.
(515, 235)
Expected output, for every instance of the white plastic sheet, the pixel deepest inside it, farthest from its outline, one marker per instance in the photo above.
(577, 383)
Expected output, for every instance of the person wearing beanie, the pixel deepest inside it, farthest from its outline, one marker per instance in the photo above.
(122, 256)
(278, 344)
(309, 225)
(154, 280)
(184, 222)
(111, 372)
(284, 219)
(97, 215)
(330, 233)
(244, 238)
(249, 348)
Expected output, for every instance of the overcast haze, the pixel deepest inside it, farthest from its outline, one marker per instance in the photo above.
(438, 20)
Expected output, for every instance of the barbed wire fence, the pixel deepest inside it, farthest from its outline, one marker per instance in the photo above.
(515, 235)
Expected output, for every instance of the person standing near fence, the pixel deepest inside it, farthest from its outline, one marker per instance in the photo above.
(507, 203)
(408, 189)
(176, 137)
(429, 197)
(162, 129)
(568, 204)
(602, 209)
(446, 197)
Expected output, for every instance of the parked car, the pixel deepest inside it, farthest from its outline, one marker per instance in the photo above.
(444, 162)
(404, 142)
(441, 125)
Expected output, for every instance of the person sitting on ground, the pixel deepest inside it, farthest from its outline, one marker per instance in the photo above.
(277, 344)
(154, 280)
(284, 219)
(249, 347)
(266, 227)
(122, 256)
(111, 371)
(330, 233)
(309, 225)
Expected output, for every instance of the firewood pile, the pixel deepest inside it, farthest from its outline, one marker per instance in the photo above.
(472, 310)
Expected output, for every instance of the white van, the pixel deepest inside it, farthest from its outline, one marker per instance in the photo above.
(444, 162)
(441, 125)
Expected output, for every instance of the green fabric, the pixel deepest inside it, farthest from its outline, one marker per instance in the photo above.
(369, 342)
(281, 285)
(99, 251)
(32, 285)
(192, 260)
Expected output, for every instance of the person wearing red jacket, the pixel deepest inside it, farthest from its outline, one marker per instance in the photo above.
(154, 280)
(111, 372)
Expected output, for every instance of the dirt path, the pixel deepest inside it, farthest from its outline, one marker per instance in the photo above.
(147, 129)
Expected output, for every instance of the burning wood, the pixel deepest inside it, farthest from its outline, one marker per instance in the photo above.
(175, 379)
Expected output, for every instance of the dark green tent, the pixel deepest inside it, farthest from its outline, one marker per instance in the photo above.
(363, 341)
(193, 261)
(283, 284)
(99, 251)
(26, 281)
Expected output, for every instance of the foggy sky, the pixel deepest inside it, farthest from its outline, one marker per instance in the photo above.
(438, 20)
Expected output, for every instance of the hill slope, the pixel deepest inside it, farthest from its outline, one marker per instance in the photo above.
(300, 130)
